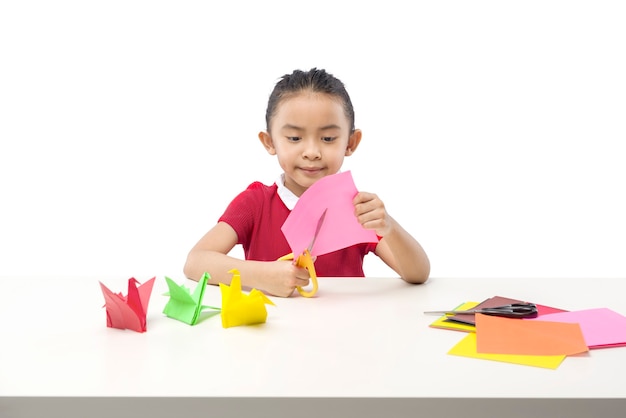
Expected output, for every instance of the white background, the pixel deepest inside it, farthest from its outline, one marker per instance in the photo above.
(493, 130)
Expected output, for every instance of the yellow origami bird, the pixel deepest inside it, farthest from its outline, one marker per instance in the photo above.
(241, 309)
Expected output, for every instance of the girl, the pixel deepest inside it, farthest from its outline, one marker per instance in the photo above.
(310, 129)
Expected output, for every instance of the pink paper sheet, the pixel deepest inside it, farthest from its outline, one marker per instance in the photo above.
(601, 327)
(340, 229)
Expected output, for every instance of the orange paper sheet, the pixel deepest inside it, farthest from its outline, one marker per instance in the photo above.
(496, 335)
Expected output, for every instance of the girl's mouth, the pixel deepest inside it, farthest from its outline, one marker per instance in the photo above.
(311, 171)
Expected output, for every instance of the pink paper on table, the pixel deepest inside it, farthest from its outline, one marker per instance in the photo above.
(340, 229)
(601, 327)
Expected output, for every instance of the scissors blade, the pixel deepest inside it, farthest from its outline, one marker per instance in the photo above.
(317, 230)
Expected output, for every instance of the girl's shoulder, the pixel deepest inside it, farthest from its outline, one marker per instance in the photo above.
(257, 192)
(258, 186)
(260, 190)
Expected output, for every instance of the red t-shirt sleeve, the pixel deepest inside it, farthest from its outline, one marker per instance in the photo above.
(257, 215)
(240, 212)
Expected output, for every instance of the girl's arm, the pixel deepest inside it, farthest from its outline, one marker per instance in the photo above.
(210, 255)
(397, 248)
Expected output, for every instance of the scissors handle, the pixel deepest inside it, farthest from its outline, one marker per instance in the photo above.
(306, 261)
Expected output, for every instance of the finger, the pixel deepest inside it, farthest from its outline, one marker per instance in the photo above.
(361, 209)
(302, 274)
(362, 197)
(368, 206)
(370, 215)
(358, 198)
(374, 224)
(302, 282)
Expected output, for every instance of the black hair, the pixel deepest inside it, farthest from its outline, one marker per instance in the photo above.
(315, 80)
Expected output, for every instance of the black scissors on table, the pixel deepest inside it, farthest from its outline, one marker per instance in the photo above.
(513, 310)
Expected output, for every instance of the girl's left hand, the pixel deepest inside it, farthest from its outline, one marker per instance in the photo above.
(371, 213)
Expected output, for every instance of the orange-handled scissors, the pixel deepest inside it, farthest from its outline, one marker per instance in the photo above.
(305, 260)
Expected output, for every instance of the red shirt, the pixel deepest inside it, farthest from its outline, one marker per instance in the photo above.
(257, 215)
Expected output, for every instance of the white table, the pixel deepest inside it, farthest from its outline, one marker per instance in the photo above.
(362, 347)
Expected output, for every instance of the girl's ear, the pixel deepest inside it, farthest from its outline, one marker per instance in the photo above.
(267, 142)
(353, 142)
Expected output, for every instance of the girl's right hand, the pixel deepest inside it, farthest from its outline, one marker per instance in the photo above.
(284, 277)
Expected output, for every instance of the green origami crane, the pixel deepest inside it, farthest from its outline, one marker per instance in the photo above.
(183, 305)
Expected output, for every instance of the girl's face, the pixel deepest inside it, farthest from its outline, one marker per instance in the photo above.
(310, 135)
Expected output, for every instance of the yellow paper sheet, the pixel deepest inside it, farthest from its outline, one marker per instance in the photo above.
(455, 326)
(467, 348)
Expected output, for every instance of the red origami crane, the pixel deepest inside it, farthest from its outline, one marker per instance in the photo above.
(128, 312)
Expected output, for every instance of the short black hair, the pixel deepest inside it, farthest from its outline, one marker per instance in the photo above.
(315, 80)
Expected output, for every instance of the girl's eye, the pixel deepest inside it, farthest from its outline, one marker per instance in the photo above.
(328, 138)
(293, 138)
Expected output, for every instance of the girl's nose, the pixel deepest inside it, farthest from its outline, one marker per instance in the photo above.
(311, 150)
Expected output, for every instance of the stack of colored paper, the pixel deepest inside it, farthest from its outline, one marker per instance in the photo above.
(544, 341)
